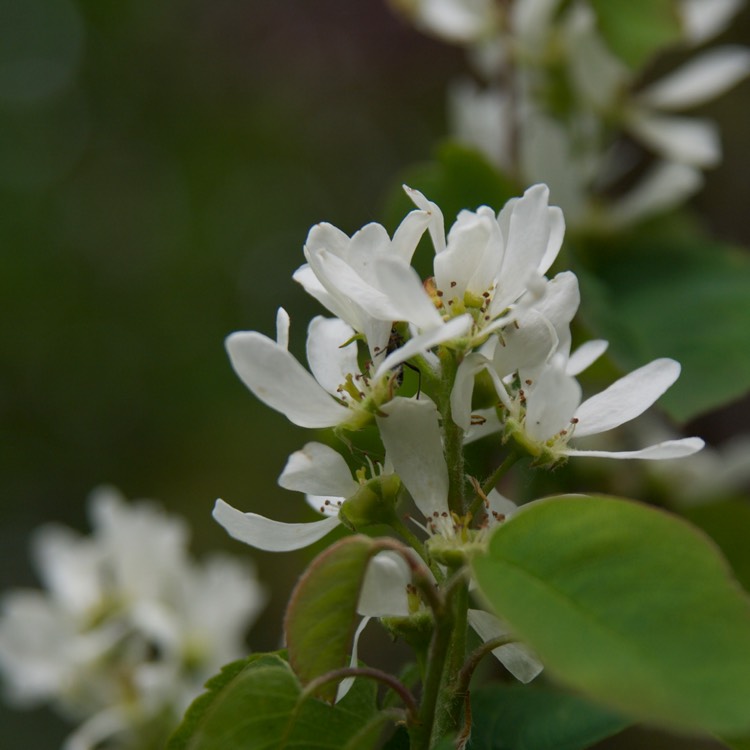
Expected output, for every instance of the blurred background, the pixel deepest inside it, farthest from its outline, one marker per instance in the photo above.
(160, 165)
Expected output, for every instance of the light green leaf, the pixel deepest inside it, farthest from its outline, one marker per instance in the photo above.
(635, 30)
(629, 605)
(516, 717)
(321, 616)
(728, 524)
(687, 299)
(254, 705)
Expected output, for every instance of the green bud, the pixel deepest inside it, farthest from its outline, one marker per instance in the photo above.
(373, 503)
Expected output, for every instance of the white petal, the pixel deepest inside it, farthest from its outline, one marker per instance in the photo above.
(97, 728)
(499, 505)
(585, 356)
(346, 684)
(555, 240)
(411, 436)
(329, 361)
(700, 80)
(515, 657)
(326, 505)
(437, 225)
(490, 426)
(526, 347)
(560, 300)
(347, 281)
(526, 242)
(334, 303)
(626, 398)
(551, 403)
(472, 259)
(69, 566)
(459, 22)
(479, 117)
(425, 341)
(318, 469)
(463, 388)
(282, 328)
(664, 186)
(665, 450)
(408, 298)
(704, 19)
(367, 246)
(383, 592)
(407, 236)
(272, 536)
(687, 140)
(280, 381)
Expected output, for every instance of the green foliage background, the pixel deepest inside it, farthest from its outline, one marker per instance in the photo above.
(160, 165)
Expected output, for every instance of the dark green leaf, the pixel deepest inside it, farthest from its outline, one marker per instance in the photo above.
(254, 705)
(321, 616)
(635, 30)
(687, 299)
(629, 605)
(515, 717)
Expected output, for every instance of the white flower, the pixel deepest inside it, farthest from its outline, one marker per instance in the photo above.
(128, 628)
(338, 392)
(318, 471)
(411, 435)
(481, 270)
(340, 273)
(543, 408)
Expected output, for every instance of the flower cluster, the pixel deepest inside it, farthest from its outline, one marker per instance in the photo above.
(556, 99)
(126, 632)
(489, 335)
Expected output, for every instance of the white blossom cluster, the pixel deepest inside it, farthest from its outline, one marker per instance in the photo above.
(128, 627)
(534, 55)
(490, 312)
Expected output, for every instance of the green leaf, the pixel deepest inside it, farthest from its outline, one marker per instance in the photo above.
(321, 615)
(629, 605)
(737, 743)
(728, 524)
(635, 30)
(515, 717)
(255, 704)
(459, 177)
(653, 296)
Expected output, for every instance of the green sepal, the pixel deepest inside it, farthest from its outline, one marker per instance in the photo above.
(374, 503)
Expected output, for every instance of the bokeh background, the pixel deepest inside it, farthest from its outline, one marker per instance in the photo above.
(160, 165)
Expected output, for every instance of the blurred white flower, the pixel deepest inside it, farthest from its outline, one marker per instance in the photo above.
(128, 627)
